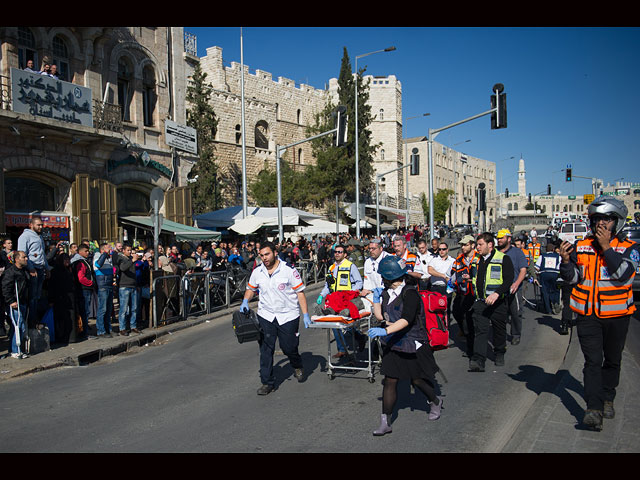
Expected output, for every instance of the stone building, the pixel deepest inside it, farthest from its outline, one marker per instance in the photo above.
(85, 149)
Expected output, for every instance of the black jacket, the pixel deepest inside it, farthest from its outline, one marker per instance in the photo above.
(127, 269)
(507, 274)
(12, 275)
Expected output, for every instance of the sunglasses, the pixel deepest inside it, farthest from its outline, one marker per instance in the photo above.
(339, 251)
(443, 249)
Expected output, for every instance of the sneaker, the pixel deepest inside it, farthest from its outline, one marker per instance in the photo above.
(499, 359)
(434, 413)
(593, 419)
(608, 411)
(515, 340)
(15, 355)
(124, 333)
(265, 389)
(299, 374)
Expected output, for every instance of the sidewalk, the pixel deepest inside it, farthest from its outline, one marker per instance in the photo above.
(553, 424)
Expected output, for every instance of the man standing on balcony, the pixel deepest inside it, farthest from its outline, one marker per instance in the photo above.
(30, 67)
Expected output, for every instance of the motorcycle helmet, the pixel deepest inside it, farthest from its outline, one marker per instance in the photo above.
(608, 206)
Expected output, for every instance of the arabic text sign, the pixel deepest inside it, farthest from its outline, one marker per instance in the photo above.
(181, 136)
(44, 96)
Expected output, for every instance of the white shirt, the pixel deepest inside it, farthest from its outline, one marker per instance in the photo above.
(372, 279)
(395, 292)
(441, 265)
(424, 260)
(278, 292)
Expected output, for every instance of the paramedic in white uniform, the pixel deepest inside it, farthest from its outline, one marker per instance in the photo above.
(372, 278)
(279, 305)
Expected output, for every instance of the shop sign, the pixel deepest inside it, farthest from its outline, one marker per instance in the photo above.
(48, 97)
(181, 136)
(49, 221)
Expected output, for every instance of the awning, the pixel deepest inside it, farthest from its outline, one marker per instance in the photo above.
(181, 231)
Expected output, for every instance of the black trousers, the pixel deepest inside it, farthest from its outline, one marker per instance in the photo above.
(602, 341)
(484, 316)
(463, 314)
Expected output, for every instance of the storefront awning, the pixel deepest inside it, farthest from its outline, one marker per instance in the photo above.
(182, 232)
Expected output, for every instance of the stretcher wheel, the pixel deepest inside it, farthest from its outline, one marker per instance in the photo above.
(372, 380)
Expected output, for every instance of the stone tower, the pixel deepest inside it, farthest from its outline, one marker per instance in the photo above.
(522, 181)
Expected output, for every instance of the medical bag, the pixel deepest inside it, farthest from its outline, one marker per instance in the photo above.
(246, 326)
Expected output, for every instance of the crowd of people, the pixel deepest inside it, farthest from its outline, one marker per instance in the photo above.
(49, 70)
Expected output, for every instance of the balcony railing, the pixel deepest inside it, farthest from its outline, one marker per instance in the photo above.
(106, 116)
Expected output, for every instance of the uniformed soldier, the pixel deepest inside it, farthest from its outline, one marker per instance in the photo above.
(355, 256)
(602, 268)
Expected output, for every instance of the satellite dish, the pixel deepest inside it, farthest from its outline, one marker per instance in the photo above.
(157, 194)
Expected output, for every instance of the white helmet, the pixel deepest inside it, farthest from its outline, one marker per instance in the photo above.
(605, 205)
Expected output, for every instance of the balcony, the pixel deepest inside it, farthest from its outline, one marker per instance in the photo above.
(105, 116)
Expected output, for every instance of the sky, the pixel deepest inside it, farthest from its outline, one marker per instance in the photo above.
(572, 93)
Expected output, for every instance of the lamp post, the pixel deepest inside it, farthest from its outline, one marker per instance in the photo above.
(406, 176)
(388, 49)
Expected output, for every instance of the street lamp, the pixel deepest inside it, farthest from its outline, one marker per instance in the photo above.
(388, 49)
(406, 157)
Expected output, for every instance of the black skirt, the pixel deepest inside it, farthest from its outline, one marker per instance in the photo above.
(406, 366)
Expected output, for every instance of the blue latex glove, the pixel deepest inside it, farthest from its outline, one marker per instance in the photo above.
(320, 298)
(306, 319)
(244, 307)
(377, 332)
(377, 294)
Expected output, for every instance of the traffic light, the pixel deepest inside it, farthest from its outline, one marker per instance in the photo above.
(568, 171)
(506, 193)
(341, 125)
(548, 189)
(499, 103)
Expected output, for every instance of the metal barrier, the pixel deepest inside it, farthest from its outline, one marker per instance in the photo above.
(175, 297)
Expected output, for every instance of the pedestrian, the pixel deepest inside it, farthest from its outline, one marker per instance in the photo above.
(548, 270)
(410, 259)
(6, 250)
(343, 276)
(424, 259)
(127, 291)
(32, 243)
(406, 354)
(602, 268)
(515, 298)
(85, 284)
(15, 291)
(493, 279)
(280, 302)
(63, 298)
(31, 67)
(440, 271)
(462, 274)
(103, 269)
(372, 278)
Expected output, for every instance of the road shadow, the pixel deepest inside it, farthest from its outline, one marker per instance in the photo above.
(283, 371)
(549, 321)
(559, 384)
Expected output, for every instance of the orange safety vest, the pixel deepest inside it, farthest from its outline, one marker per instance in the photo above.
(596, 292)
(527, 254)
(534, 250)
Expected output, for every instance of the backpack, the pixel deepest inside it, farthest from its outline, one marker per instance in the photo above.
(435, 318)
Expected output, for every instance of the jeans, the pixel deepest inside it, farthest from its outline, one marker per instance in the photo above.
(602, 341)
(85, 298)
(549, 290)
(128, 297)
(19, 317)
(288, 338)
(484, 316)
(105, 306)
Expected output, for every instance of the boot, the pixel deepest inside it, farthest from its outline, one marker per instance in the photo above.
(384, 426)
(608, 412)
(434, 413)
(593, 419)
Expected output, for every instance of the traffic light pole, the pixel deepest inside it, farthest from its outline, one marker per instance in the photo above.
(432, 135)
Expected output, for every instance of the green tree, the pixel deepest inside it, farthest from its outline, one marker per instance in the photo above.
(334, 172)
(441, 203)
(206, 193)
(293, 183)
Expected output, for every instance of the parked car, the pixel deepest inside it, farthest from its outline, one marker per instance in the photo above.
(573, 231)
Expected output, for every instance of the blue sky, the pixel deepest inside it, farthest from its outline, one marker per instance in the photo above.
(572, 93)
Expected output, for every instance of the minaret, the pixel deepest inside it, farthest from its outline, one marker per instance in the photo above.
(522, 181)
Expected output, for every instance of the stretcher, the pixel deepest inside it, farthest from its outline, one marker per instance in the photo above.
(345, 324)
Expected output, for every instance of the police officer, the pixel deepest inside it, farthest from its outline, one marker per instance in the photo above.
(601, 267)
(343, 276)
(548, 270)
(354, 254)
(493, 279)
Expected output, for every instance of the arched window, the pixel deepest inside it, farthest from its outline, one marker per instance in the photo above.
(382, 154)
(27, 48)
(238, 135)
(300, 156)
(125, 88)
(509, 206)
(24, 194)
(277, 112)
(515, 206)
(262, 135)
(61, 58)
(381, 115)
(299, 116)
(636, 204)
(149, 97)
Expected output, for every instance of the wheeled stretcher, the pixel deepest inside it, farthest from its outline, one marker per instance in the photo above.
(344, 325)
